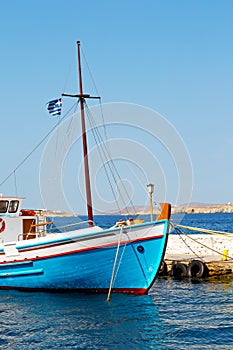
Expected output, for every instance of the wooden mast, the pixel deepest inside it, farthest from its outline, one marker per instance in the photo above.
(84, 138)
(81, 96)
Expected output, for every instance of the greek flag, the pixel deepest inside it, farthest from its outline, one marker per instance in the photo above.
(54, 107)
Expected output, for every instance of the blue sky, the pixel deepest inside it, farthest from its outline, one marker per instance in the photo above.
(172, 56)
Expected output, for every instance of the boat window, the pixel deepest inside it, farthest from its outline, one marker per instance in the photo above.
(13, 207)
(3, 206)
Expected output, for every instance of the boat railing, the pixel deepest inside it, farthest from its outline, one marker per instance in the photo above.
(67, 227)
(56, 229)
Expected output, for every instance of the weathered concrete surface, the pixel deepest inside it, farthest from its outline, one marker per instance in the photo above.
(206, 247)
(211, 249)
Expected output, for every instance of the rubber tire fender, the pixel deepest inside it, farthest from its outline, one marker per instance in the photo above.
(197, 269)
(179, 270)
(163, 269)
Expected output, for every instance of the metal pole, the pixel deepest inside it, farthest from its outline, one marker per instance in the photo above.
(151, 190)
(151, 207)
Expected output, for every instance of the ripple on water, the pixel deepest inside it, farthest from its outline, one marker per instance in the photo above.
(175, 315)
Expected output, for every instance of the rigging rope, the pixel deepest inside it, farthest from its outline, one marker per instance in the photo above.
(105, 148)
(96, 135)
(110, 163)
(176, 227)
(212, 232)
(16, 192)
(35, 148)
(90, 72)
(97, 92)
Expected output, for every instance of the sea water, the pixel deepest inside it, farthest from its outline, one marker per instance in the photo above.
(175, 314)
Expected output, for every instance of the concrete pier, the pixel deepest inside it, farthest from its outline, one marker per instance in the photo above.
(216, 251)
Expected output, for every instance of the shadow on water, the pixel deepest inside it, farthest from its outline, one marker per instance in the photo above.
(78, 321)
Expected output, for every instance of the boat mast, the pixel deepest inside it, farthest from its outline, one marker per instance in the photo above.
(81, 96)
(84, 138)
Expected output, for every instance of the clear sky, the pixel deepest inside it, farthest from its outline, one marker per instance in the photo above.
(175, 57)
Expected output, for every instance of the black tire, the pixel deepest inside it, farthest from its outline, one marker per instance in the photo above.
(163, 269)
(179, 270)
(197, 269)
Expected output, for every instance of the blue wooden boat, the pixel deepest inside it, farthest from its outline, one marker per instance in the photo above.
(125, 258)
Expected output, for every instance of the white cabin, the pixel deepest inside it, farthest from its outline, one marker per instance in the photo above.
(17, 224)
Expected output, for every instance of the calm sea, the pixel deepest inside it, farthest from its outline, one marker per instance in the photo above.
(175, 314)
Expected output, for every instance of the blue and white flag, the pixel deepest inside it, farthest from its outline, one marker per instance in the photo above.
(54, 107)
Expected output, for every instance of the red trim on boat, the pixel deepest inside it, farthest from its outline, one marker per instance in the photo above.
(72, 240)
(76, 250)
(134, 291)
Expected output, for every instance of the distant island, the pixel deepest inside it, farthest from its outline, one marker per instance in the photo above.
(197, 208)
(190, 208)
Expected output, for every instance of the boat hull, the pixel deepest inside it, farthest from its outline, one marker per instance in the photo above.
(85, 262)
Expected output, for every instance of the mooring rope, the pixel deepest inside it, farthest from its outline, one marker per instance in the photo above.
(180, 232)
(177, 228)
(203, 230)
(114, 265)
